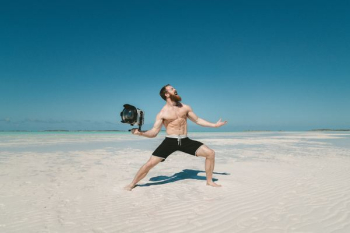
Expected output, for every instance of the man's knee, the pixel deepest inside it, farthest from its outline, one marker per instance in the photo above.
(211, 154)
(150, 164)
(206, 152)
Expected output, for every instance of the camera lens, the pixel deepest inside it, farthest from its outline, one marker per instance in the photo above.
(132, 115)
(128, 114)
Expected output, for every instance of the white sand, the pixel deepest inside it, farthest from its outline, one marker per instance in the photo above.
(272, 182)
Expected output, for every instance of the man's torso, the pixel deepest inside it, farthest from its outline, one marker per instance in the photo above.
(175, 119)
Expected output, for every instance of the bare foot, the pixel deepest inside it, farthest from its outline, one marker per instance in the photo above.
(213, 184)
(129, 187)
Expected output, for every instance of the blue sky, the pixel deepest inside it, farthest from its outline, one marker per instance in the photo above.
(261, 65)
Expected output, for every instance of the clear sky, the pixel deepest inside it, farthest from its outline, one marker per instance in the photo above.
(261, 65)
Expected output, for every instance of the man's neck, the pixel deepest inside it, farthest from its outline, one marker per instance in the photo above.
(171, 103)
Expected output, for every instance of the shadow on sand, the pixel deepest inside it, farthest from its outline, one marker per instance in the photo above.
(183, 175)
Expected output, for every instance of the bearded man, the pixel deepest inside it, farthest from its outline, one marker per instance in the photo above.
(174, 116)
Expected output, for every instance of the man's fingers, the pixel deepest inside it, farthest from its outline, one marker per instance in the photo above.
(133, 131)
(221, 123)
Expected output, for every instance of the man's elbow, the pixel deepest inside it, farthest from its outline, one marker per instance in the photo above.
(154, 133)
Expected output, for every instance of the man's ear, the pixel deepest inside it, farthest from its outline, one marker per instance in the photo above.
(167, 94)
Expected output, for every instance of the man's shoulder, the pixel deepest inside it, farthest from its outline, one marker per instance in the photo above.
(186, 106)
(162, 112)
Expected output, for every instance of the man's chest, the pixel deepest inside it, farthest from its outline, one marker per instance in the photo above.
(175, 113)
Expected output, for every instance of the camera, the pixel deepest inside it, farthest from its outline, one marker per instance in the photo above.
(132, 115)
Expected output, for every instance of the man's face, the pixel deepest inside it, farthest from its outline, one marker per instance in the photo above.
(173, 94)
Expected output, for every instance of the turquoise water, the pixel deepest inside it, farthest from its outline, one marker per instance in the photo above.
(67, 141)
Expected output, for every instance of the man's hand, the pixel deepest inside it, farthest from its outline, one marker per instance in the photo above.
(135, 131)
(220, 123)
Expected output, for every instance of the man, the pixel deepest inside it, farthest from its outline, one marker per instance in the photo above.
(174, 117)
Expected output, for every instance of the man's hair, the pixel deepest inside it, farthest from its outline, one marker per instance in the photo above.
(163, 91)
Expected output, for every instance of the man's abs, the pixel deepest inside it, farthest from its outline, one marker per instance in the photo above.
(176, 127)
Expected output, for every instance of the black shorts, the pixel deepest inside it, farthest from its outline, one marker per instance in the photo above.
(170, 145)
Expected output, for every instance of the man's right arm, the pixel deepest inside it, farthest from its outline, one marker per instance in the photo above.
(152, 132)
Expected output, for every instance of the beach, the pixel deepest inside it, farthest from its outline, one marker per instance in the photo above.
(271, 182)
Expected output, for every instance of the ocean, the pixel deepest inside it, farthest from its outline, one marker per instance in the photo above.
(232, 141)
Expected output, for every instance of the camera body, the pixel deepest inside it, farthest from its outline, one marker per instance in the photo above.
(132, 115)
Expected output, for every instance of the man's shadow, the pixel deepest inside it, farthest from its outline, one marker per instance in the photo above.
(183, 175)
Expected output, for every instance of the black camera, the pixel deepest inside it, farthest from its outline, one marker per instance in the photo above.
(132, 115)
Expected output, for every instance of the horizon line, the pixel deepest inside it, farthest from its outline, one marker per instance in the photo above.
(87, 130)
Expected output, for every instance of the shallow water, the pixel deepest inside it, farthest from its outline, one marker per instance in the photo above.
(227, 143)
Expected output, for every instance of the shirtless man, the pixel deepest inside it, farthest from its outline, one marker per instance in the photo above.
(174, 117)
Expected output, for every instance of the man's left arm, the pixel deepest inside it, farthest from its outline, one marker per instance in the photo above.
(199, 121)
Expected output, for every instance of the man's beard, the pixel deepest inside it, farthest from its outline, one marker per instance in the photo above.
(175, 98)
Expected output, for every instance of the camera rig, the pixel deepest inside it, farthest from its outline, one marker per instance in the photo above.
(132, 115)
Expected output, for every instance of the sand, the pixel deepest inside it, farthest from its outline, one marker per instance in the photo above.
(272, 182)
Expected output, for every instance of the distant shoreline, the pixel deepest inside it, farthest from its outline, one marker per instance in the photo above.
(246, 131)
(330, 130)
(63, 130)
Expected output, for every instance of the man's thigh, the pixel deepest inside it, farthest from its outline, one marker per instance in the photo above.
(154, 160)
(204, 151)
